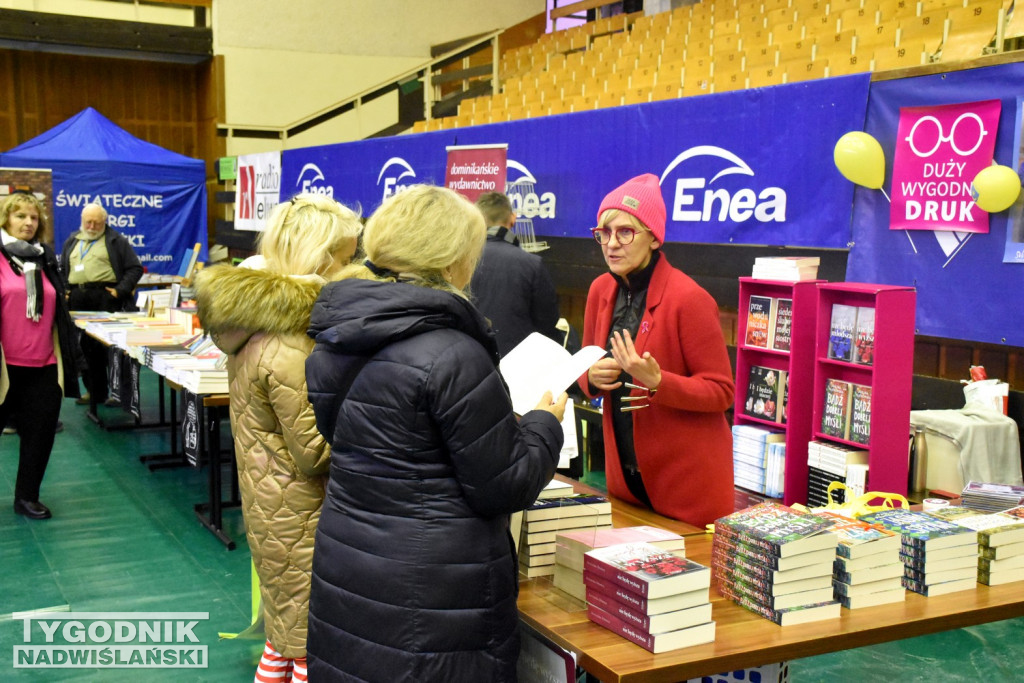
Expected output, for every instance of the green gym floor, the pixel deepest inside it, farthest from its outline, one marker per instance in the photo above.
(125, 539)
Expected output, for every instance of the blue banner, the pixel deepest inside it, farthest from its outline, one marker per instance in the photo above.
(750, 167)
(964, 289)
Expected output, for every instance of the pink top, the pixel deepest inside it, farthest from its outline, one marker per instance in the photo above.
(25, 342)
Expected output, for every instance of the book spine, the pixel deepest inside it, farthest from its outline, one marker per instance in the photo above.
(752, 554)
(616, 608)
(610, 622)
(750, 590)
(626, 597)
(761, 545)
(736, 564)
(615, 575)
(750, 604)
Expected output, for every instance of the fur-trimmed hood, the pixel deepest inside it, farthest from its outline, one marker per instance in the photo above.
(236, 303)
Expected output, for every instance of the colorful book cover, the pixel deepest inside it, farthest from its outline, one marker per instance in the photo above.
(763, 393)
(759, 312)
(835, 414)
(920, 530)
(646, 569)
(994, 529)
(777, 529)
(783, 331)
(864, 336)
(577, 505)
(857, 538)
(840, 334)
(860, 414)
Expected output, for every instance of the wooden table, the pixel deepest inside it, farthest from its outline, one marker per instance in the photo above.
(744, 639)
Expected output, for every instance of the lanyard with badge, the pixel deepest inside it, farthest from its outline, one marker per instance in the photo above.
(82, 251)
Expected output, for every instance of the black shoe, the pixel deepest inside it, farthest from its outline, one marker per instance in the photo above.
(83, 401)
(60, 427)
(32, 509)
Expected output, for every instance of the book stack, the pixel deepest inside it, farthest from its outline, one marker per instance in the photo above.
(769, 323)
(1000, 541)
(786, 268)
(846, 413)
(767, 396)
(991, 497)
(656, 599)
(757, 455)
(776, 562)
(851, 336)
(828, 462)
(570, 546)
(543, 520)
(868, 570)
(938, 556)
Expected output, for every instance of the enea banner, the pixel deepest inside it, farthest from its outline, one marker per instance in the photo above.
(257, 190)
(964, 289)
(474, 170)
(939, 150)
(752, 167)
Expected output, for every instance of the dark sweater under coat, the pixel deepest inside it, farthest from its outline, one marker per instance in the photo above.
(414, 572)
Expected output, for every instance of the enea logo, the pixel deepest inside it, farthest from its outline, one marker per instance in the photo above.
(697, 199)
(522, 192)
(311, 179)
(393, 172)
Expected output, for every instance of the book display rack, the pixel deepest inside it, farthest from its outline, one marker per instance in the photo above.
(784, 343)
(864, 345)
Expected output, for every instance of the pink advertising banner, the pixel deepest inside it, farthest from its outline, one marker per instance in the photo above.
(939, 150)
(473, 170)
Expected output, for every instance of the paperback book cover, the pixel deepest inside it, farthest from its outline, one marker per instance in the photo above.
(840, 334)
(792, 615)
(783, 331)
(764, 393)
(777, 529)
(570, 546)
(857, 538)
(920, 530)
(759, 314)
(860, 414)
(646, 569)
(577, 505)
(994, 529)
(864, 336)
(835, 414)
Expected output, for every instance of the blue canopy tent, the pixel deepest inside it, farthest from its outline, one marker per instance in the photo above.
(155, 197)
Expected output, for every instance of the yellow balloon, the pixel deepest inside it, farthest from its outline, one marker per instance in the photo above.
(995, 188)
(859, 158)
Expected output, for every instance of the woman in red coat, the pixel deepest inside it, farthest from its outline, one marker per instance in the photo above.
(668, 380)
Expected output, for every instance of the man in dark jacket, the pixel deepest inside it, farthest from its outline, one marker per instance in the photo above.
(511, 287)
(101, 275)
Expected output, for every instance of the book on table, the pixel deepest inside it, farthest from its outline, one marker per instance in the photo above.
(546, 530)
(570, 546)
(738, 591)
(555, 489)
(576, 505)
(879, 586)
(727, 559)
(921, 531)
(646, 569)
(792, 616)
(857, 538)
(1001, 553)
(928, 565)
(866, 575)
(651, 623)
(751, 575)
(570, 581)
(886, 597)
(930, 590)
(822, 557)
(640, 603)
(994, 529)
(991, 497)
(656, 642)
(777, 529)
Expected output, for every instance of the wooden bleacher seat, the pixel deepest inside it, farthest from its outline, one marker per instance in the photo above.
(419, 126)
(762, 76)
(762, 57)
(666, 91)
(858, 19)
(787, 32)
(636, 96)
(929, 29)
(1015, 22)
(644, 77)
(882, 35)
(796, 51)
(901, 57)
(729, 62)
(608, 99)
(802, 70)
(778, 17)
(894, 10)
(581, 103)
(839, 43)
(971, 30)
(852, 64)
(729, 81)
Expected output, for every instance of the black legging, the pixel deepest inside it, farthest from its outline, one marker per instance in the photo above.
(33, 400)
(94, 298)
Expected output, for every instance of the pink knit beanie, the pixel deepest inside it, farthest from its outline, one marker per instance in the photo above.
(640, 197)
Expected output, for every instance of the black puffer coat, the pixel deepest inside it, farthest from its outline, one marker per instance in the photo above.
(414, 576)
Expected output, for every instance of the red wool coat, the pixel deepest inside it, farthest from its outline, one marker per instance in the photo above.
(683, 441)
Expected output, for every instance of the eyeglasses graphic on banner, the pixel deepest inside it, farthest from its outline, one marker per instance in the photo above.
(965, 135)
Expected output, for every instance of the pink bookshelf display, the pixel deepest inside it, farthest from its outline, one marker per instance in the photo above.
(797, 363)
(889, 376)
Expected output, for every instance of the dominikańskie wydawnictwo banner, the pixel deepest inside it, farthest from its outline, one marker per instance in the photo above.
(474, 170)
(939, 150)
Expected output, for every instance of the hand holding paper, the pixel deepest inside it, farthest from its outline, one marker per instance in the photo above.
(539, 364)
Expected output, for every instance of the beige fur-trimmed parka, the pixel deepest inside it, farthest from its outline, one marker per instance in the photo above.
(260, 319)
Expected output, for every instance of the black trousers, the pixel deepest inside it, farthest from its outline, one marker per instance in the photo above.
(94, 298)
(33, 400)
